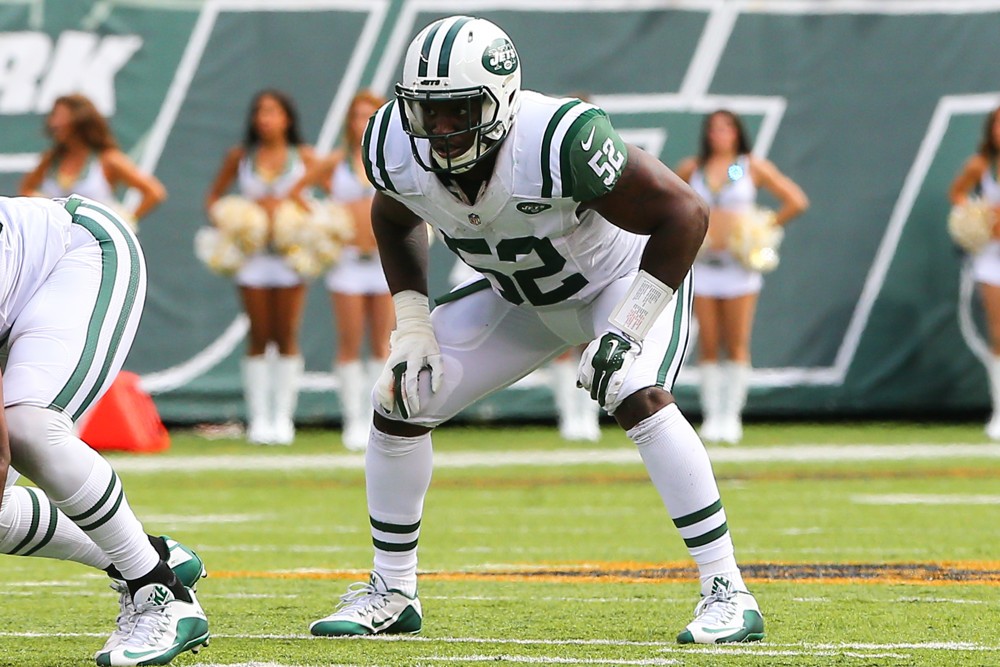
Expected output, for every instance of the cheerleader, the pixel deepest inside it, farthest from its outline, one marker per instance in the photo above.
(271, 159)
(980, 173)
(84, 159)
(727, 176)
(359, 294)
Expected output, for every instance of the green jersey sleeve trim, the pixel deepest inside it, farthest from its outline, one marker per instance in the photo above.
(376, 140)
(592, 156)
(550, 131)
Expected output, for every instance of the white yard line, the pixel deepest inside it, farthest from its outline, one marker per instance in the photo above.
(562, 457)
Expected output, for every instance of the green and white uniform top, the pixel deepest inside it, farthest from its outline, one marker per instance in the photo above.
(525, 231)
(34, 236)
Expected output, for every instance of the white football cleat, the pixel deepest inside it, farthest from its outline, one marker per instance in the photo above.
(724, 616)
(371, 609)
(162, 627)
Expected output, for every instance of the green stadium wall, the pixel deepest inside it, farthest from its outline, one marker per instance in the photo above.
(870, 106)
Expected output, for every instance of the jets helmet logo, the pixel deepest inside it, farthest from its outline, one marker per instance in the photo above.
(500, 57)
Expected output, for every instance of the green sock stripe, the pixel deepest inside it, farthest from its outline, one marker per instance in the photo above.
(700, 515)
(100, 503)
(49, 532)
(708, 537)
(107, 517)
(393, 547)
(35, 518)
(394, 528)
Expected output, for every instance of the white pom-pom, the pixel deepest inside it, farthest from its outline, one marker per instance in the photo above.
(217, 251)
(311, 240)
(755, 240)
(971, 224)
(243, 221)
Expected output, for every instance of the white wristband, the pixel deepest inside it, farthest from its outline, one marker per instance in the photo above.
(412, 309)
(645, 300)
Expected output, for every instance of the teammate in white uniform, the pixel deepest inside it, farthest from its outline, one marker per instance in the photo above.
(269, 162)
(581, 238)
(981, 172)
(71, 295)
(359, 294)
(727, 177)
(84, 159)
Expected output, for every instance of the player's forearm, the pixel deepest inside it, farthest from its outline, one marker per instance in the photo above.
(403, 253)
(674, 244)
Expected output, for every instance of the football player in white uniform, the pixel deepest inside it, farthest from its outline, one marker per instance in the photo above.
(71, 295)
(581, 239)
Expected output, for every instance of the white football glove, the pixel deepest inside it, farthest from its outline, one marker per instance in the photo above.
(605, 364)
(607, 360)
(412, 348)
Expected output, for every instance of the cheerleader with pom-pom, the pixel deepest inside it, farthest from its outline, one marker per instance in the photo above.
(975, 198)
(359, 294)
(271, 159)
(741, 244)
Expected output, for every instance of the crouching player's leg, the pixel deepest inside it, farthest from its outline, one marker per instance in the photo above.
(65, 348)
(471, 348)
(631, 375)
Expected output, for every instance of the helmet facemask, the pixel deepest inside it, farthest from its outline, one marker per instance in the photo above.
(482, 130)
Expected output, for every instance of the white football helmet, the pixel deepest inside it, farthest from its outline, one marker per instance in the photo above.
(460, 58)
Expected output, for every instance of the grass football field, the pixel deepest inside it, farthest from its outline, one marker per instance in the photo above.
(866, 544)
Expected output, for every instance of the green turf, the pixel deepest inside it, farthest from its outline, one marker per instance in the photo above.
(276, 540)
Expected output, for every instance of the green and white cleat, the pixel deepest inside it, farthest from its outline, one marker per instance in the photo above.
(723, 617)
(162, 628)
(371, 609)
(185, 563)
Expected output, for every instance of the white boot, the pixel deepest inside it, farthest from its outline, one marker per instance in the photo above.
(256, 373)
(354, 433)
(993, 426)
(587, 413)
(736, 380)
(563, 384)
(711, 401)
(287, 377)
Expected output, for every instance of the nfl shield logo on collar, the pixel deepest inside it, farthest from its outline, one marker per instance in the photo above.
(474, 220)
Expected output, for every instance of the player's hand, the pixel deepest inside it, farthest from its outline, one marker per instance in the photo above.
(604, 366)
(411, 349)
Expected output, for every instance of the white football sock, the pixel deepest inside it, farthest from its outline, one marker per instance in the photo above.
(682, 473)
(397, 475)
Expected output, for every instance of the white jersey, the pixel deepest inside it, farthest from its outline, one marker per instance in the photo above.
(737, 194)
(525, 231)
(90, 183)
(253, 185)
(988, 186)
(34, 236)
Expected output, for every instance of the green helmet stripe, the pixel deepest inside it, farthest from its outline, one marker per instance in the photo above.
(448, 43)
(565, 168)
(425, 49)
(380, 147)
(547, 146)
